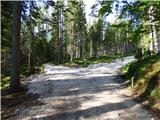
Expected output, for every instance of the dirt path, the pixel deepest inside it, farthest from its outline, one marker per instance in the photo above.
(81, 94)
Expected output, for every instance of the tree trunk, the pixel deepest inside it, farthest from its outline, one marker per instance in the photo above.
(29, 56)
(154, 43)
(31, 37)
(72, 46)
(59, 37)
(15, 55)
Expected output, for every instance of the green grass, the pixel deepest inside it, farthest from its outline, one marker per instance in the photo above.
(94, 60)
(142, 66)
(145, 74)
(5, 82)
(126, 67)
(24, 72)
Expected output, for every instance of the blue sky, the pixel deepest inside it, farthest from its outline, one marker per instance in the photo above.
(89, 4)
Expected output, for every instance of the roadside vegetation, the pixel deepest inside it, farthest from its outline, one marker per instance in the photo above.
(24, 73)
(94, 60)
(144, 76)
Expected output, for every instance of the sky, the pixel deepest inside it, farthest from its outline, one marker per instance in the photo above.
(89, 4)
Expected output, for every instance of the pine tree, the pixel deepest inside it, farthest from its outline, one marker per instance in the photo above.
(15, 59)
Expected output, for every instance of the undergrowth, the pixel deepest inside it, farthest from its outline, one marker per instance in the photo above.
(146, 78)
(24, 72)
(93, 60)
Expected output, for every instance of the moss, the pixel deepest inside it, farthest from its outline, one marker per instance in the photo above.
(145, 73)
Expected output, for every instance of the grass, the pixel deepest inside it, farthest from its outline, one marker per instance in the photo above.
(5, 81)
(24, 72)
(146, 78)
(94, 60)
(126, 67)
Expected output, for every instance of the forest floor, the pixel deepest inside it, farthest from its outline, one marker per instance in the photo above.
(69, 93)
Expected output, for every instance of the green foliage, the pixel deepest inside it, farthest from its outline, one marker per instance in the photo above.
(140, 65)
(24, 72)
(125, 68)
(145, 76)
(5, 80)
(76, 31)
(6, 18)
(93, 60)
(108, 58)
(106, 7)
(144, 17)
(156, 92)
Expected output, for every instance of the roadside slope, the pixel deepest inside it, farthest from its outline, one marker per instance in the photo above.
(146, 79)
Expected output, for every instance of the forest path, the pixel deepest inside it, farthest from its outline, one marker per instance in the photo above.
(90, 93)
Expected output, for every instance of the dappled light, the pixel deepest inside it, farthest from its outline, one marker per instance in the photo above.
(80, 60)
(80, 93)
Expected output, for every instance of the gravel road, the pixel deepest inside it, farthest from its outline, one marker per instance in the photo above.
(91, 93)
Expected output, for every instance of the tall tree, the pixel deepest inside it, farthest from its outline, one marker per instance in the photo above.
(6, 18)
(15, 56)
(144, 21)
(58, 30)
(76, 29)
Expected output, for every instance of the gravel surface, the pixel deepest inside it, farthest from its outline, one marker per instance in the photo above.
(90, 93)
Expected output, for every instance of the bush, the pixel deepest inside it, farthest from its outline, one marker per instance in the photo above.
(24, 72)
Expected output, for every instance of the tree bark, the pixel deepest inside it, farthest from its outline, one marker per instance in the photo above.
(59, 37)
(31, 37)
(15, 55)
(154, 43)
